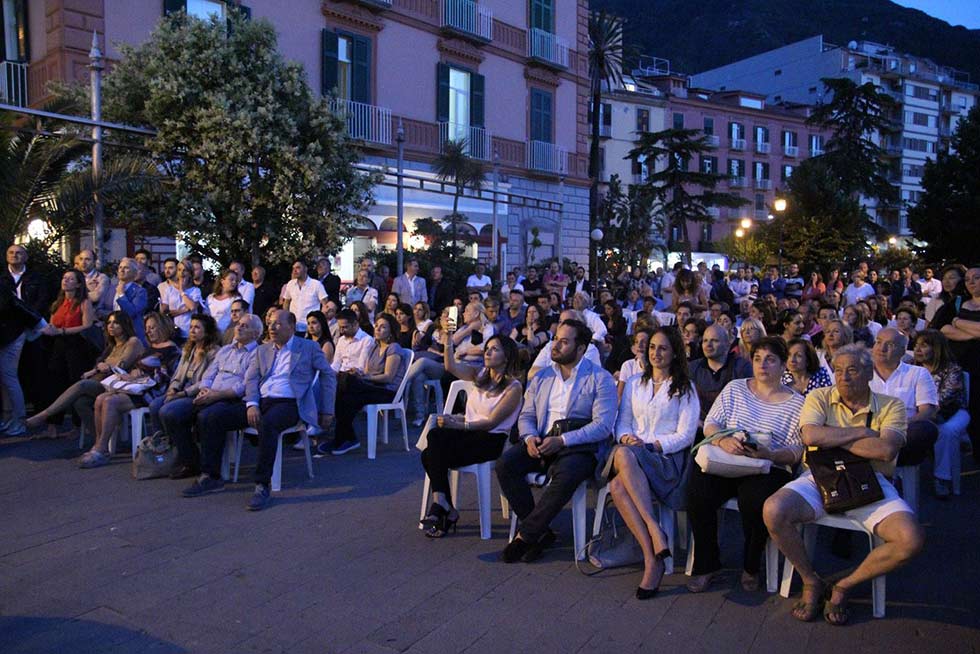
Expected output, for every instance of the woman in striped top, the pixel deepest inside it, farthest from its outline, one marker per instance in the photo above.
(761, 404)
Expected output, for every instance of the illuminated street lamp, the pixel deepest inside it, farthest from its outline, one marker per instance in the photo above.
(746, 223)
(892, 241)
(739, 233)
(779, 205)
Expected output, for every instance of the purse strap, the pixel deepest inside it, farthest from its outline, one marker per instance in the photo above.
(724, 433)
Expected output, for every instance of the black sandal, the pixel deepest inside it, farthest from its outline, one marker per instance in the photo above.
(443, 525)
(436, 512)
(806, 611)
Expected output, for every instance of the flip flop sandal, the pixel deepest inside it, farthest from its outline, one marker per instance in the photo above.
(807, 611)
(836, 614)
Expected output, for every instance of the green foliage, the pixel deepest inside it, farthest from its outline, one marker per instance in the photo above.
(749, 249)
(256, 161)
(947, 217)
(628, 221)
(455, 166)
(895, 258)
(679, 192)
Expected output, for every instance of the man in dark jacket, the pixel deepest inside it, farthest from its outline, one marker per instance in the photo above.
(16, 318)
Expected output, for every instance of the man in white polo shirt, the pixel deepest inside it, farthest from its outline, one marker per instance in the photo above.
(479, 282)
(303, 294)
(245, 288)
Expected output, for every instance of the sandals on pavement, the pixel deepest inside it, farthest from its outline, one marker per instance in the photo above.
(836, 614)
(807, 611)
(93, 459)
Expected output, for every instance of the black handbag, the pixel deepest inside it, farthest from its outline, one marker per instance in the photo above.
(846, 481)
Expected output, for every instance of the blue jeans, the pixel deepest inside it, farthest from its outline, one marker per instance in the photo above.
(566, 471)
(13, 395)
(176, 418)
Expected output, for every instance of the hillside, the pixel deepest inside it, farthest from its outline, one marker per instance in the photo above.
(697, 37)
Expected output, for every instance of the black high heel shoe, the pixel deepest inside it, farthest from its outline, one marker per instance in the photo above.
(436, 512)
(443, 525)
(649, 593)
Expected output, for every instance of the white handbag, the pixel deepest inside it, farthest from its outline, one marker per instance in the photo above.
(715, 461)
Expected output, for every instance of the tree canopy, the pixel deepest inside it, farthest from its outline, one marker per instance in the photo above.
(256, 161)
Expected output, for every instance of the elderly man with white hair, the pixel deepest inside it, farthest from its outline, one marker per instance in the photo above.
(852, 416)
(130, 297)
(582, 302)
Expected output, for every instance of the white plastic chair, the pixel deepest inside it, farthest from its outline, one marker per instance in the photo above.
(482, 471)
(909, 476)
(236, 442)
(435, 387)
(667, 521)
(809, 542)
(772, 554)
(539, 479)
(397, 405)
(133, 426)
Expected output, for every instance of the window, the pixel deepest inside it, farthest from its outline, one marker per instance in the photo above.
(541, 116)
(922, 92)
(760, 202)
(760, 170)
(709, 126)
(543, 15)
(762, 135)
(706, 231)
(919, 145)
(911, 170)
(459, 102)
(675, 233)
(678, 121)
(920, 119)
(816, 144)
(642, 120)
(204, 9)
(786, 172)
(709, 164)
(736, 167)
(736, 133)
(13, 21)
(346, 66)
(605, 118)
(777, 72)
(812, 89)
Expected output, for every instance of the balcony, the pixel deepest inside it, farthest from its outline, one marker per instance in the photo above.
(736, 181)
(475, 139)
(892, 149)
(712, 140)
(13, 83)
(738, 144)
(714, 212)
(945, 132)
(761, 215)
(374, 4)
(791, 150)
(365, 122)
(547, 157)
(763, 184)
(816, 152)
(763, 148)
(468, 18)
(547, 48)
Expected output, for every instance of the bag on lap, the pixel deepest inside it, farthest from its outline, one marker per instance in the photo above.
(846, 481)
(716, 461)
(134, 387)
(155, 457)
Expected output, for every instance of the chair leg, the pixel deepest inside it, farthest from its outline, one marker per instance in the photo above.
(483, 500)
(578, 520)
(513, 527)
(504, 507)
(600, 510)
(136, 431)
(400, 411)
(309, 455)
(81, 436)
(454, 486)
(226, 456)
(239, 438)
(384, 426)
(667, 524)
(372, 432)
(877, 584)
(772, 566)
(689, 567)
(425, 500)
(956, 465)
(277, 468)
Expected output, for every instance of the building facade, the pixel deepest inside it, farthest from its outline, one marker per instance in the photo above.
(931, 99)
(509, 78)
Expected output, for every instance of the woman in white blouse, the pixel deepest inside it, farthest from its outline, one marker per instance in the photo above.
(658, 418)
(219, 302)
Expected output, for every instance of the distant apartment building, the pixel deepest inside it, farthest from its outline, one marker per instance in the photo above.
(754, 143)
(931, 100)
(509, 77)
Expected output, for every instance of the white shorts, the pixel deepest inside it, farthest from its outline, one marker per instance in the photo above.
(869, 515)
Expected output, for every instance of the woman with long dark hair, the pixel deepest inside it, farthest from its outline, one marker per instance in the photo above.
(943, 309)
(317, 329)
(658, 418)
(225, 292)
(405, 318)
(363, 317)
(478, 435)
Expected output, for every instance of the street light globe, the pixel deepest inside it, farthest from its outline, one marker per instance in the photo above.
(779, 204)
(892, 240)
(770, 217)
(746, 223)
(37, 229)
(596, 234)
(739, 233)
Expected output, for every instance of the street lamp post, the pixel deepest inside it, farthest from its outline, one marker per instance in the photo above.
(596, 236)
(780, 206)
(96, 66)
(399, 244)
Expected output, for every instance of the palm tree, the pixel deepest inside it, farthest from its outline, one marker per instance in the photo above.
(455, 166)
(605, 68)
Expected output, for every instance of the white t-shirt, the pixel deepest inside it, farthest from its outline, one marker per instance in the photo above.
(247, 290)
(853, 294)
(220, 310)
(303, 299)
(930, 289)
(170, 298)
(476, 281)
(913, 385)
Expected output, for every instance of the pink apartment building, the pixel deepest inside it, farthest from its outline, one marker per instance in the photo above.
(509, 76)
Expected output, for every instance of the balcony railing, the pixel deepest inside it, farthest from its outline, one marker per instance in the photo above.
(468, 17)
(816, 152)
(547, 47)
(791, 150)
(763, 148)
(378, 4)
(365, 122)
(13, 83)
(763, 184)
(736, 181)
(712, 140)
(761, 214)
(476, 139)
(714, 212)
(605, 131)
(547, 157)
(738, 144)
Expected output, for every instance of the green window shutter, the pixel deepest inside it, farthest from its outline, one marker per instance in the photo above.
(173, 6)
(541, 116)
(477, 86)
(328, 62)
(361, 70)
(542, 15)
(442, 93)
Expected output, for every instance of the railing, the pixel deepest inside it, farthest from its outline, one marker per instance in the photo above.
(605, 131)
(383, 4)
(547, 157)
(365, 122)
(546, 46)
(712, 140)
(475, 139)
(761, 214)
(763, 184)
(714, 212)
(13, 83)
(763, 148)
(945, 132)
(791, 150)
(736, 181)
(738, 144)
(468, 17)
(816, 152)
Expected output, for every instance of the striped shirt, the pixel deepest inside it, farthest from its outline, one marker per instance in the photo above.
(738, 408)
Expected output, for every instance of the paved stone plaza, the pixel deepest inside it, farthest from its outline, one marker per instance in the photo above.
(92, 561)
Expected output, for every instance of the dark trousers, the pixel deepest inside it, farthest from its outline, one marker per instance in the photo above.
(566, 471)
(357, 395)
(707, 493)
(213, 421)
(455, 448)
(278, 414)
(68, 357)
(919, 441)
(177, 420)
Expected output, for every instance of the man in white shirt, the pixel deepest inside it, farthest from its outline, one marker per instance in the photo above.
(245, 288)
(479, 282)
(410, 287)
(931, 287)
(583, 303)
(511, 285)
(352, 345)
(741, 285)
(543, 360)
(914, 386)
(363, 292)
(302, 294)
(858, 289)
(179, 298)
(98, 284)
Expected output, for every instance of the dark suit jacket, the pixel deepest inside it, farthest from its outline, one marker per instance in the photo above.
(35, 289)
(331, 284)
(440, 296)
(586, 286)
(898, 289)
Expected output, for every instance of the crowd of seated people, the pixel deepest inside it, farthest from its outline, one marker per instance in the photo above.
(619, 376)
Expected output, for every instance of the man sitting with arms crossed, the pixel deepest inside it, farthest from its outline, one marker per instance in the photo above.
(572, 388)
(216, 407)
(852, 416)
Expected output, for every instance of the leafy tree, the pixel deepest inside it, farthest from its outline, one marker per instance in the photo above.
(895, 258)
(748, 249)
(454, 165)
(628, 222)
(605, 68)
(947, 217)
(678, 192)
(256, 161)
